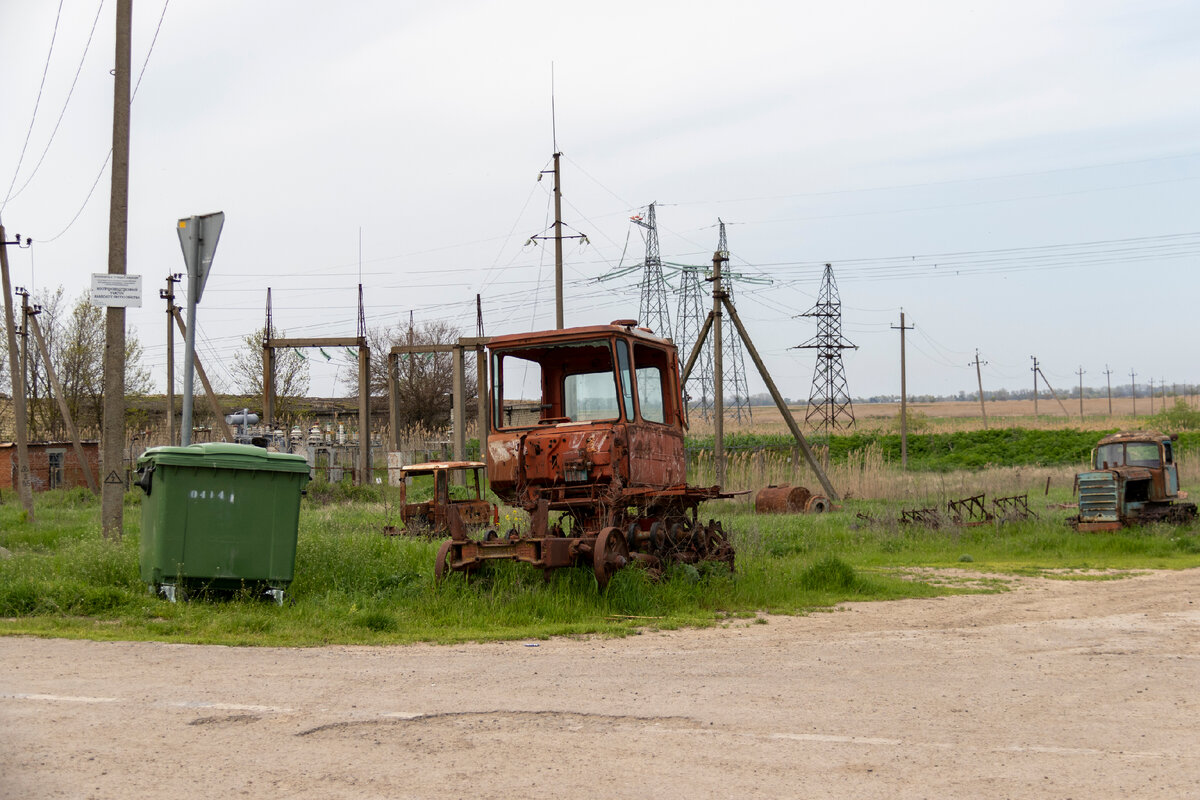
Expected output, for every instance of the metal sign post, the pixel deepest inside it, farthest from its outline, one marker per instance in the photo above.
(198, 237)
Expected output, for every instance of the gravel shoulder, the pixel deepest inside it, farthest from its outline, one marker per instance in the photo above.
(1057, 688)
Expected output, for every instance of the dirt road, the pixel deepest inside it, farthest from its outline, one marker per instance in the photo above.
(1056, 689)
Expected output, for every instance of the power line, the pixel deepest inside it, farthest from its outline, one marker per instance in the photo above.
(36, 104)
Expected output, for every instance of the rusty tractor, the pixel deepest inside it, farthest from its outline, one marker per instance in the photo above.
(1133, 480)
(601, 450)
(432, 517)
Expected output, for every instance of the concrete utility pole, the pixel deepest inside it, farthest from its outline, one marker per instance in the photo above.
(1035, 389)
(903, 396)
(979, 379)
(1081, 372)
(1133, 390)
(718, 371)
(169, 295)
(18, 382)
(558, 255)
(112, 496)
(1108, 376)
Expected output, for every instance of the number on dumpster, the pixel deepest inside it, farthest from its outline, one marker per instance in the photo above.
(211, 494)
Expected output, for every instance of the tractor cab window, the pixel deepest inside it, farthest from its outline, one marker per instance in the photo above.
(1168, 456)
(1110, 455)
(1142, 454)
(652, 368)
(568, 382)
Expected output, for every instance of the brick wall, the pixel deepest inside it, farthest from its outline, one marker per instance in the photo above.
(40, 474)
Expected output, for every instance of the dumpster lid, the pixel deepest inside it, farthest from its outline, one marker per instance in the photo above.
(224, 455)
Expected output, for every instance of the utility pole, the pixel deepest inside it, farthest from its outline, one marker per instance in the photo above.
(718, 370)
(23, 332)
(1133, 390)
(18, 381)
(979, 379)
(903, 396)
(1081, 373)
(558, 255)
(168, 294)
(1108, 377)
(112, 496)
(1152, 397)
(1035, 389)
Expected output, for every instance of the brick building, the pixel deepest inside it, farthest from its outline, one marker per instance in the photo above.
(52, 465)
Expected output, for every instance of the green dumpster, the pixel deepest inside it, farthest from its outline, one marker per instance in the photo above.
(219, 516)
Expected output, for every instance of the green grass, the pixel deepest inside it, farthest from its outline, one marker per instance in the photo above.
(356, 586)
(961, 450)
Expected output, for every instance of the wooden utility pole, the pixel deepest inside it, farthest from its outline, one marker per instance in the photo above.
(61, 398)
(1152, 397)
(1133, 390)
(1081, 372)
(169, 295)
(979, 380)
(112, 498)
(1108, 377)
(903, 396)
(18, 384)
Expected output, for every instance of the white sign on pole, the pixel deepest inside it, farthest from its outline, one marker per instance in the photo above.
(198, 237)
(117, 290)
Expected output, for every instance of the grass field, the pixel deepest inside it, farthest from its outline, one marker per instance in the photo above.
(354, 585)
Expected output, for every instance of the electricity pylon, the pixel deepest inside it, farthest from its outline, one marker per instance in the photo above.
(829, 403)
(733, 362)
(653, 311)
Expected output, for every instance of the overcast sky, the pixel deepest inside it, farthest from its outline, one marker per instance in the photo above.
(1018, 177)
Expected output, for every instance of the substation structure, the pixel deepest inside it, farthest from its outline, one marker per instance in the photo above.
(458, 410)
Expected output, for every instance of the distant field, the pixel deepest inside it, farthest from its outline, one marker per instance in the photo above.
(951, 415)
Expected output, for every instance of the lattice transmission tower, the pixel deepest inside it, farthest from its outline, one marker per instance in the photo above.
(689, 319)
(653, 311)
(690, 315)
(829, 403)
(732, 359)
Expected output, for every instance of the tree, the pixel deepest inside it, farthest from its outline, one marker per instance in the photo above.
(75, 344)
(291, 372)
(425, 380)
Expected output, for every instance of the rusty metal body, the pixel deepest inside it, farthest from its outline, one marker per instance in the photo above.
(605, 455)
(432, 517)
(1133, 480)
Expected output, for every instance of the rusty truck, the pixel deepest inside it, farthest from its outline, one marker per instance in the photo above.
(1133, 480)
(598, 463)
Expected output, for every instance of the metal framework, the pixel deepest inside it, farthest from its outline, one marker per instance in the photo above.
(734, 362)
(270, 344)
(829, 405)
(652, 310)
(689, 317)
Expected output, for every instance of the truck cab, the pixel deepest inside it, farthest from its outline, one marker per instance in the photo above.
(1133, 479)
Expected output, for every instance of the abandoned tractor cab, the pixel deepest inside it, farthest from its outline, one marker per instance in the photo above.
(1133, 480)
(432, 517)
(588, 424)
